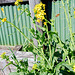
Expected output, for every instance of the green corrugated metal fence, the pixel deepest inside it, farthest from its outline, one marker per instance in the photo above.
(60, 21)
(9, 35)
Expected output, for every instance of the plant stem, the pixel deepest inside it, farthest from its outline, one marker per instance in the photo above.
(49, 44)
(29, 41)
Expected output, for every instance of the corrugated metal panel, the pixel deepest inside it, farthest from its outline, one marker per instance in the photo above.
(60, 22)
(9, 35)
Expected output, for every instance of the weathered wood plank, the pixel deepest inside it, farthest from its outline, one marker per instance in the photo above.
(32, 4)
(6, 71)
(1, 72)
(9, 1)
(6, 47)
(20, 55)
(17, 47)
(12, 68)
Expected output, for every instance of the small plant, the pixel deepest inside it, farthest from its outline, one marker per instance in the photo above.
(54, 56)
(21, 65)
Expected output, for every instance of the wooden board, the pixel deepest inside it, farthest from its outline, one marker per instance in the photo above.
(6, 47)
(17, 47)
(9, 1)
(32, 4)
(20, 55)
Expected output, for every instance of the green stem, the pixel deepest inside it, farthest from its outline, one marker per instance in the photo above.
(70, 28)
(49, 44)
(28, 40)
(20, 32)
(54, 30)
(69, 23)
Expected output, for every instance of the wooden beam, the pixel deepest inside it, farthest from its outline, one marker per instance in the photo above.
(32, 4)
(19, 55)
(16, 48)
(9, 1)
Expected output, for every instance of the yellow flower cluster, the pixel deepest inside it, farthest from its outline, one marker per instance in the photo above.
(45, 23)
(74, 68)
(17, 2)
(34, 66)
(3, 55)
(4, 19)
(74, 14)
(39, 11)
(18, 9)
(2, 10)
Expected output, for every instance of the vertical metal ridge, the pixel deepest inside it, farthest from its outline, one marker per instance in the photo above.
(28, 23)
(8, 30)
(1, 35)
(24, 24)
(16, 24)
(11, 28)
(3, 29)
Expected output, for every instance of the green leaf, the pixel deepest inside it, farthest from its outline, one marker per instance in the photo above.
(50, 73)
(68, 66)
(14, 57)
(65, 55)
(6, 65)
(21, 73)
(43, 73)
(57, 68)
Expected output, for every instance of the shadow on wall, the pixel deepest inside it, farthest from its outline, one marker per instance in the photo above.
(48, 10)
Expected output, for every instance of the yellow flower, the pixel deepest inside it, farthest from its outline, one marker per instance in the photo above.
(19, 0)
(68, 70)
(38, 20)
(74, 13)
(34, 66)
(18, 9)
(45, 23)
(16, 3)
(42, 17)
(2, 10)
(39, 11)
(43, 5)
(4, 19)
(36, 15)
(44, 13)
(3, 55)
(74, 68)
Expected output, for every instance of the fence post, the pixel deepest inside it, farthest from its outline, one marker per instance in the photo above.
(32, 4)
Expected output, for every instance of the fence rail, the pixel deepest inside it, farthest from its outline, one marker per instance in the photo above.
(9, 1)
